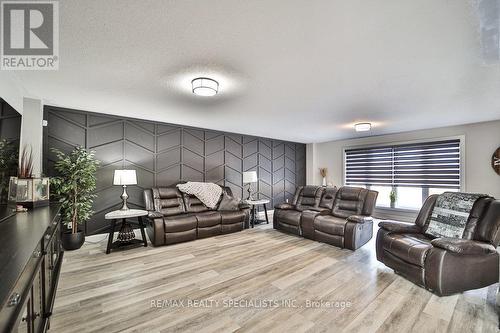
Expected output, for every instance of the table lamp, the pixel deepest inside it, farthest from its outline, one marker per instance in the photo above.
(249, 177)
(124, 178)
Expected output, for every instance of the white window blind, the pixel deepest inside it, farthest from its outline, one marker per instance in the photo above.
(425, 165)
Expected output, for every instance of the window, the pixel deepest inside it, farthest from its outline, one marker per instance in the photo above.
(410, 172)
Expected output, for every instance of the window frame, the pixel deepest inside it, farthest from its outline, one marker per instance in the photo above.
(396, 142)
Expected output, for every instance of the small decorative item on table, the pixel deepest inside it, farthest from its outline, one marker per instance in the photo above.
(323, 172)
(29, 192)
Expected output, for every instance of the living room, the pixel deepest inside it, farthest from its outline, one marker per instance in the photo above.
(223, 166)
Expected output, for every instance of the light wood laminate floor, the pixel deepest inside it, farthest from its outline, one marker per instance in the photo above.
(115, 292)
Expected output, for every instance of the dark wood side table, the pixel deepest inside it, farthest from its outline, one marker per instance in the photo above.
(126, 235)
(253, 212)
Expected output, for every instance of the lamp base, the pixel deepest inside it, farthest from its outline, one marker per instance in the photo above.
(249, 197)
(124, 197)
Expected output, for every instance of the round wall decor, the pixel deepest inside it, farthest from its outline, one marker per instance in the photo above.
(495, 161)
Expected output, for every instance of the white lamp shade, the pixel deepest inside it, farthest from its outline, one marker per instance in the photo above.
(249, 177)
(125, 177)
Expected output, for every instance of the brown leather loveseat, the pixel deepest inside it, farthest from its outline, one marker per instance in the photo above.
(340, 217)
(175, 217)
(444, 265)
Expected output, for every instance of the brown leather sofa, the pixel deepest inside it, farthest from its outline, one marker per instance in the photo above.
(444, 265)
(340, 217)
(175, 217)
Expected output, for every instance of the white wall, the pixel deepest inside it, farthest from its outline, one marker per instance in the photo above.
(32, 131)
(481, 141)
(11, 91)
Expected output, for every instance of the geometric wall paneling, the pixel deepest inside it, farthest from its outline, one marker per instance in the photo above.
(139, 156)
(140, 136)
(66, 130)
(214, 144)
(168, 158)
(192, 141)
(168, 177)
(191, 174)
(105, 175)
(169, 139)
(165, 154)
(103, 134)
(193, 160)
(109, 153)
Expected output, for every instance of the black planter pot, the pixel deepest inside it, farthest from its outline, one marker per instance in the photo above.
(72, 241)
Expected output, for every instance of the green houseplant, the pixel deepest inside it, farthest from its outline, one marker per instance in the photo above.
(393, 196)
(74, 186)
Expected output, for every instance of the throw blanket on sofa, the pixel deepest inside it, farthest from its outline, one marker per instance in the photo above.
(208, 193)
(451, 213)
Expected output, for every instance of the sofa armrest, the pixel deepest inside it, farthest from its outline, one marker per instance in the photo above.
(359, 219)
(463, 246)
(400, 227)
(285, 206)
(155, 215)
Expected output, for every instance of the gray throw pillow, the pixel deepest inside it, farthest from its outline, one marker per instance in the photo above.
(228, 203)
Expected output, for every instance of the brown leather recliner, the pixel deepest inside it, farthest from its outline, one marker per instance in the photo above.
(175, 217)
(444, 266)
(287, 217)
(340, 217)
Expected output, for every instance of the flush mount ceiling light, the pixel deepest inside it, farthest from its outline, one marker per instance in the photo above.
(203, 86)
(363, 127)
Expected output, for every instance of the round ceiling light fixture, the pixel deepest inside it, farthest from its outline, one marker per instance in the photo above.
(363, 127)
(204, 86)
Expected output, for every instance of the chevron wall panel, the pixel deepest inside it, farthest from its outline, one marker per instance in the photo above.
(165, 154)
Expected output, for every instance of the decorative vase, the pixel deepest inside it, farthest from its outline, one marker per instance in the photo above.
(72, 241)
(324, 181)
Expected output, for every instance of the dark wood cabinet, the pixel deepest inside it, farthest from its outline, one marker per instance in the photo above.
(28, 302)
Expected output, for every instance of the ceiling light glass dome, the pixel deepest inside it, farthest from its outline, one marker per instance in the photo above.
(203, 86)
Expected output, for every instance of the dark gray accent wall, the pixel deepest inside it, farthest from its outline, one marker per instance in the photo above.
(166, 154)
(10, 122)
(10, 130)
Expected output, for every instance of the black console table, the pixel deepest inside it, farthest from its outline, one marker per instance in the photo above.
(30, 263)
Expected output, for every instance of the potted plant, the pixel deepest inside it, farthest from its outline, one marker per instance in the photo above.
(74, 186)
(393, 196)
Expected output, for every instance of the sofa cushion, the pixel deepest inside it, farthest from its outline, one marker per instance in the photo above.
(168, 201)
(411, 248)
(291, 217)
(328, 198)
(193, 204)
(309, 197)
(330, 224)
(234, 216)
(349, 201)
(208, 219)
(179, 223)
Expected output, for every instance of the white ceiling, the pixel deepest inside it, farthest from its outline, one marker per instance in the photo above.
(295, 70)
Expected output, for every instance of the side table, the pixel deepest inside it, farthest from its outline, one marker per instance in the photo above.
(253, 212)
(126, 235)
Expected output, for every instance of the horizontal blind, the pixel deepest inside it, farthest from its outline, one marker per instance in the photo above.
(425, 165)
